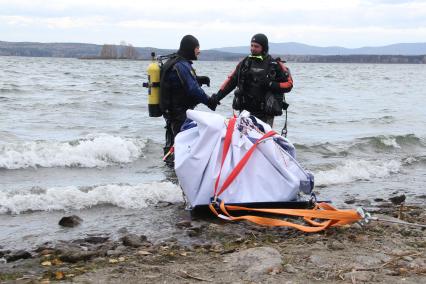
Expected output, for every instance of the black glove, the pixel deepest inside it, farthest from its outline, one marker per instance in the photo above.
(213, 102)
(266, 83)
(203, 80)
(271, 85)
(274, 86)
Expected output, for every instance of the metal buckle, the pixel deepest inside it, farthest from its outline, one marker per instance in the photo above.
(366, 217)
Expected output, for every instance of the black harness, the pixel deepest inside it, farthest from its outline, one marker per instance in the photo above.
(174, 100)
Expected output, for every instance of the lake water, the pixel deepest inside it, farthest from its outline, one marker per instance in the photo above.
(76, 138)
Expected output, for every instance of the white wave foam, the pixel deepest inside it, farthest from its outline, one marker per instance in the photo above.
(390, 141)
(68, 198)
(92, 151)
(353, 170)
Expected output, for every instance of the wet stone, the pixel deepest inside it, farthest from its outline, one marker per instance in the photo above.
(397, 199)
(162, 204)
(4, 252)
(70, 221)
(132, 240)
(44, 246)
(16, 255)
(166, 241)
(76, 256)
(95, 239)
(183, 224)
(46, 252)
(119, 250)
(350, 201)
(193, 233)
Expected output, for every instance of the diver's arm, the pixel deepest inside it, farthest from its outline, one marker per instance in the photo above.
(284, 82)
(183, 70)
(229, 84)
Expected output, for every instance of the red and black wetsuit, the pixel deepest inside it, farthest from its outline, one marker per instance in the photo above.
(255, 77)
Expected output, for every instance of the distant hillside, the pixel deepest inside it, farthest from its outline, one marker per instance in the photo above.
(85, 50)
(48, 49)
(399, 59)
(293, 52)
(294, 48)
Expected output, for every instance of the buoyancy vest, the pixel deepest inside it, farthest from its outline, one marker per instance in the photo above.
(174, 100)
(252, 74)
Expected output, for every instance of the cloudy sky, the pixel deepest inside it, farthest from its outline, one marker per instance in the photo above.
(216, 23)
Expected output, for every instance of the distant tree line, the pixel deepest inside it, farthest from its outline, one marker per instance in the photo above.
(127, 51)
(122, 51)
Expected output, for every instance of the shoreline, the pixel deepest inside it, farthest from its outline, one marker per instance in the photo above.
(235, 252)
(311, 59)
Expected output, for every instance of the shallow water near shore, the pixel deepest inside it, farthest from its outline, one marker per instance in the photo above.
(75, 138)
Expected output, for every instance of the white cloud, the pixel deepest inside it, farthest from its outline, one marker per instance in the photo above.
(16, 20)
(351, 23)
(53, 23)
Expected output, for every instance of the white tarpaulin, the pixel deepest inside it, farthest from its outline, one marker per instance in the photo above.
(271, 174)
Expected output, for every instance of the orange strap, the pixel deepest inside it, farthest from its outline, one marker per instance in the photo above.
(241, 163)
(332, 217)
(226, 145)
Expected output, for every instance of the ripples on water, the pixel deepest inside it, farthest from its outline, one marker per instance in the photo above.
(76, 134)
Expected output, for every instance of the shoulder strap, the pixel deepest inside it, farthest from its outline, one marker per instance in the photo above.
(244, 67)
(165, 92)
(169, 65)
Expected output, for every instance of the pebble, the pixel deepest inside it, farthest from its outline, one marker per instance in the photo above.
(407, 258)
(132, 240)
(335, 245)
(350, 201)
(95, 239)
(70, 221)
(362, 276)
(255, 262)
(289, 268)
(193, 233)
(20, 254)
(114, 252)
(417, 263)
(143, 252)
(356, 226)
(183, 224)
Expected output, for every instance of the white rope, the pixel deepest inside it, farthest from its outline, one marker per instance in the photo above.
(397, 222)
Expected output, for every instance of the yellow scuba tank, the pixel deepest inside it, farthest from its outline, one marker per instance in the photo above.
(153, 86)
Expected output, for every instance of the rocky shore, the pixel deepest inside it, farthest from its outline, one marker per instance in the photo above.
(221, 252)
